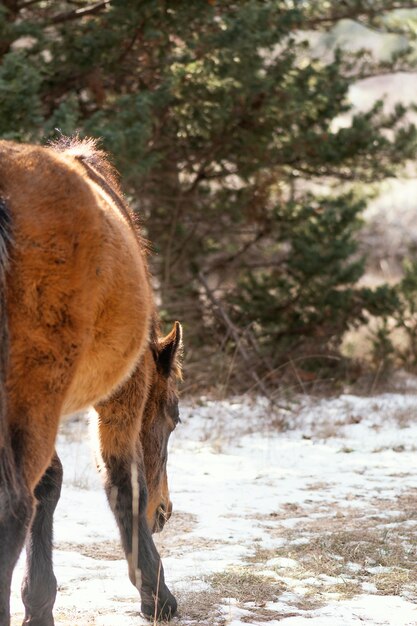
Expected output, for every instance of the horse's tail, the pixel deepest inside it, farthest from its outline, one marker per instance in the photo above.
(6, 460)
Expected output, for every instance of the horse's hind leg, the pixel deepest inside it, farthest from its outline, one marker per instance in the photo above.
(34, 410)
(16, 505)
(39, 583)
(32, 447)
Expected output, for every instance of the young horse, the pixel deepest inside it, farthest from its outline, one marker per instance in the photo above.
(78, 327)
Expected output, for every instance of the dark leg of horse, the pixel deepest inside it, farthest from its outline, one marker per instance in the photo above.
(16, 506)
(145, 566)
(32, 441)
(39, 582)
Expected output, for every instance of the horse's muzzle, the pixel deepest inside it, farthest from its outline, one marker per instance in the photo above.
(163, 513)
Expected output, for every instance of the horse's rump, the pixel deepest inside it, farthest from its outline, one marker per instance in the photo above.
(80, 283)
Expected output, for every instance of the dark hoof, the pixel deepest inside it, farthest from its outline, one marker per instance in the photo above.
(165, 609)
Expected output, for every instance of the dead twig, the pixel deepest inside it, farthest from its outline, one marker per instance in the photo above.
(237, 338)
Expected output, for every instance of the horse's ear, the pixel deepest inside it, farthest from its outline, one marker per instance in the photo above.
(169, 349)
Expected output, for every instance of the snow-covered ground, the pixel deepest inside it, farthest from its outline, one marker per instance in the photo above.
(313, 526)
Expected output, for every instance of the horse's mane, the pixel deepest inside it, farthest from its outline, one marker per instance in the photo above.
(98, 168)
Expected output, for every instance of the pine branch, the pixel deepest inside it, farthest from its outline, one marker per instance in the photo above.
(228, 260)
(356, 13)
(25, 5)
(79, 13)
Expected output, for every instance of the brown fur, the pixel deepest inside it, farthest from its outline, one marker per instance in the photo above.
(81, 316)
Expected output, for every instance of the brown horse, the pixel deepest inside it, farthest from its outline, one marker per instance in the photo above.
(78, 327)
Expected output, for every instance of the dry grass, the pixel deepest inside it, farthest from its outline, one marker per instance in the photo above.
(403, 417)
(392, 583)
(210, 608)
(263, 616)
(248, 587)
(261, 555)
(101, 550)
(245, 585)
(347, 588)
(345, 550)
(333, 554)
(405, 502)
(175, 539)
(63, 618)
(200, 608)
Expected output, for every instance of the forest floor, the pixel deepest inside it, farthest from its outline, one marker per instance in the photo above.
(314, 525)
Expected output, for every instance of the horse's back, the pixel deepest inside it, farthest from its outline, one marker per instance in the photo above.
(79, 301)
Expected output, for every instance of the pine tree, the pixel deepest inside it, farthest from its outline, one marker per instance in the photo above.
(223, 125)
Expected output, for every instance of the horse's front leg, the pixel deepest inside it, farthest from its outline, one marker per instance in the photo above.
(125, 486)
(39, 583)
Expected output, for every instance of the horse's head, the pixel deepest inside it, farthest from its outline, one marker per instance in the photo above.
(160, 418)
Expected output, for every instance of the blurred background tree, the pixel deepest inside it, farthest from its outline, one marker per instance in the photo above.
(239, 151)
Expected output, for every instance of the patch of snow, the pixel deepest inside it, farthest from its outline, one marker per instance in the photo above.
(239, 489)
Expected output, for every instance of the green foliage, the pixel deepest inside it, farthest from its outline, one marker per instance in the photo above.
(223, 125)
(405, 315)
(383, 349)
(309, 298)
(395, 339)
(20, 105)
